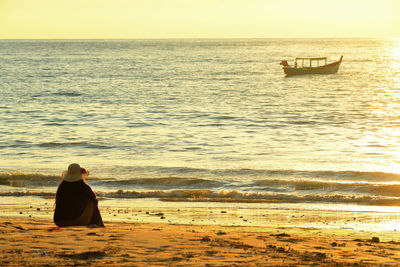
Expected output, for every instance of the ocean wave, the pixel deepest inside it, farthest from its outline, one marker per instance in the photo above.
(68, 93)
(252, 197)
(23, 179)
(361, 60)
(28, 193)
(26, 144)
(233, 196)
(33, 180)
(371, 188)
(264, 181)
(173, 182)
(323, 175)
(255, 177)
(281, 174)
(27, 179)
(73, 144)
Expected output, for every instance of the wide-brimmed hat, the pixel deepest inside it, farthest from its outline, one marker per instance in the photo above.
(74, 173)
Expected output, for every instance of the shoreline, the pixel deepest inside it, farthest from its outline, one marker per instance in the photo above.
(38, 242)
(381, 219)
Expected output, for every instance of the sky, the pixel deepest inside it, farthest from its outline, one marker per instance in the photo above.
(158, 19)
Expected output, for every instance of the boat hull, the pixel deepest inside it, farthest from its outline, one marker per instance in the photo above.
(326, 69)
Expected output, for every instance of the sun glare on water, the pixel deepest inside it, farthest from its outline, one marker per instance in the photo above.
(396, 50)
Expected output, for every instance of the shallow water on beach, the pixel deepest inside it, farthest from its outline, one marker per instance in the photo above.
(311, 216)
(213, 121)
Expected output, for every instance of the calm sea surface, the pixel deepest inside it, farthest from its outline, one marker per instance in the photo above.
(205, 120)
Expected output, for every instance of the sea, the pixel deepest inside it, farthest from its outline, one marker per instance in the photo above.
(194, 124)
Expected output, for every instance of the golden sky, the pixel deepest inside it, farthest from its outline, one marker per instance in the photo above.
(87, 19)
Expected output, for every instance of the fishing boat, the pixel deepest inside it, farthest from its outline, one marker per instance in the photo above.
(310, 65)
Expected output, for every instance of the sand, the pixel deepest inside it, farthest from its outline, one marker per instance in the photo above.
(38, 242)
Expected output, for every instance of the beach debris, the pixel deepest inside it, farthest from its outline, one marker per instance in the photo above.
(84, 255)
(175, 258)
(293, 240)
(206, 239)
(280, 235)
(375, 239)
(224, 211)
(221, 233)
(189, 255)
(211, 252)
(281, 249)
(91, 233)
(314, 256)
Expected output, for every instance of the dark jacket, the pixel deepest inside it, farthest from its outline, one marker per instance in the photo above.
(71, 200)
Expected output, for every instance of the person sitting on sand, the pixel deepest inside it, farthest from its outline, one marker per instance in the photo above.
(76, 203)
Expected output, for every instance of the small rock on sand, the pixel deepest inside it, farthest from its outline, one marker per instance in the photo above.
(206, 239)
(375, 239)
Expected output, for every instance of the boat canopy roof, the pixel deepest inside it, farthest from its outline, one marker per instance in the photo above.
(310, 58)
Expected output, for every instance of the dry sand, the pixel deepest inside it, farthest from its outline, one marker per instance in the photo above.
(38, 242)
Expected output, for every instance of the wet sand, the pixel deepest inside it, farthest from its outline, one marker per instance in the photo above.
(38, 242)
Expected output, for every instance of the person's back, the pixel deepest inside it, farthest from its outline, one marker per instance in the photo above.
(76, 203)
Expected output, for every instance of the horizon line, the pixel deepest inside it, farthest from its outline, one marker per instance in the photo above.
(188, 38)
